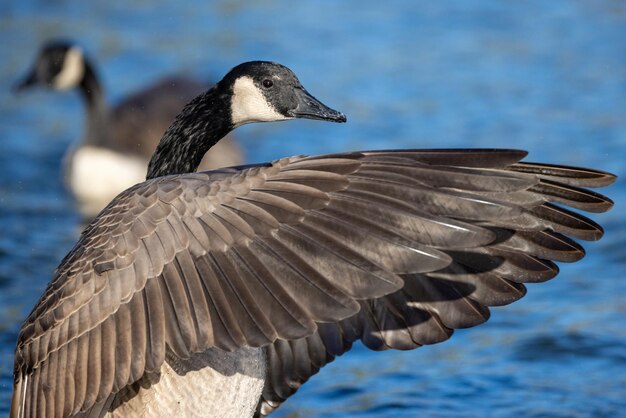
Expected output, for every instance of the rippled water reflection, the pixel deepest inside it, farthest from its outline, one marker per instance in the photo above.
(549, 77)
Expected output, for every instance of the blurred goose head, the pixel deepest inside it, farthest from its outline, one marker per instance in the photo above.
(60, 65)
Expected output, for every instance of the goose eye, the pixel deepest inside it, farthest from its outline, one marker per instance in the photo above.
(267, 83)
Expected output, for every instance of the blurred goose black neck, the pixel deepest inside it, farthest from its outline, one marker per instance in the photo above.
(201, 124)
(90, 86)
(90, 89)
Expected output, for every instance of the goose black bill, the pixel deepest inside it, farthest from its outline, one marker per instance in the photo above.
(310, 108)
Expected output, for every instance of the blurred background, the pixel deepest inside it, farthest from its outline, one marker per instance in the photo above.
(545, 76)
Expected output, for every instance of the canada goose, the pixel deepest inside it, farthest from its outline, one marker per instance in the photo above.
(219, 293)
(118, 142)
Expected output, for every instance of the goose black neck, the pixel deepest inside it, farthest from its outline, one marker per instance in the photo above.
(91, 91)
(201, 124)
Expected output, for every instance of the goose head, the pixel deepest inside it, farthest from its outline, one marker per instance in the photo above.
(255, 91)
(262, 91)
(60, 65)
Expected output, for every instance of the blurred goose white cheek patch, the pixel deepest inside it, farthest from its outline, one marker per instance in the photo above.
(72, 71)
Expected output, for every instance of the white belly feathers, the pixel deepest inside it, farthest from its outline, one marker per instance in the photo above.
(212, 384)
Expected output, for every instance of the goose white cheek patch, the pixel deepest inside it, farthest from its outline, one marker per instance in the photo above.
(250, 105)
(72, 71)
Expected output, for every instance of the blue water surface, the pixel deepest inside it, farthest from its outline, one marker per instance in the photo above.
(546, 76)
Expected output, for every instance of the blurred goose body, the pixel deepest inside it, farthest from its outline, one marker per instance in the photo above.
(118, 142)
(219, 293)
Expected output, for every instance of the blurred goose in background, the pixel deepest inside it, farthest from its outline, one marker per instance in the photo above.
(114, 151)
(219, 293)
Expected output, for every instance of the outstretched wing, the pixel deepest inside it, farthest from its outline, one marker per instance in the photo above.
(432, 304)
(265, 253)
